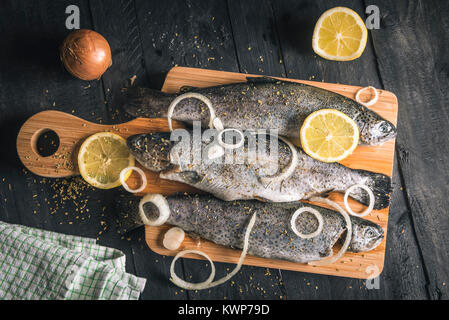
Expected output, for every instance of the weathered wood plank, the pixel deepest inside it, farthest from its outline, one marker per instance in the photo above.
(32, 79)
(187, 33)
(117, 22)
(412, 62)
(255, 36)
(412, 48)
(295, 21)
(197, 34)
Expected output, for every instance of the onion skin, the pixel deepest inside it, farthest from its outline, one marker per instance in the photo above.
(86, 54)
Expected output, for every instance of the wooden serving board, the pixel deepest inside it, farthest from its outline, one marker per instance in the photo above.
(72, 131)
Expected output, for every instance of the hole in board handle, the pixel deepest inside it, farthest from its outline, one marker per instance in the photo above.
(45, 143)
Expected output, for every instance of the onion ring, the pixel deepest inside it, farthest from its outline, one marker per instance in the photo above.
(371, 200)
(142, 175)
(188, 285)
(370, 102)
(161, 203)
(316, 214)
(218, 124)
(208, 283)
(289, 170)
(198, 96)
(227, 145)
(345, 246)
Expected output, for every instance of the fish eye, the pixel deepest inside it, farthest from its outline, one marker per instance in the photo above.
(370, 233)
(383, 127)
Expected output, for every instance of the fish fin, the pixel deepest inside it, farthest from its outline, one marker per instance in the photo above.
(380, 184)
(324, 194)
(194, 235)
(327, 252)
(190, 177)
(185, 89)
(261, 199)
(262, 79)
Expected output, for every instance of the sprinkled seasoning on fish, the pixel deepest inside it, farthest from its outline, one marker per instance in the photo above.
(261, 103)
(241, 180)
(225, 223)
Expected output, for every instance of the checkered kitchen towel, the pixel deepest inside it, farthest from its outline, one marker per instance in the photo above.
(37, 264)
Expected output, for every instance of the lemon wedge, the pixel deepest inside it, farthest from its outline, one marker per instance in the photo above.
(329, 135)
(340, 34)
(101, 159)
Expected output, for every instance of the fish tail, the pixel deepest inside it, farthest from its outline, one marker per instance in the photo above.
(146, 102)
(380, 184)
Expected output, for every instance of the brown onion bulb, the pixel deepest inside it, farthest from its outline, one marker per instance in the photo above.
(86, 54)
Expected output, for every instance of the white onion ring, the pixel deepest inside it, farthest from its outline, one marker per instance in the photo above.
(227, 145)
(345, 246)
(161, 203)
(370, 102)
(198, 96)
(188, 285)
(289, 170)
(208, 283)
(371, 200)
(218, 124)
(142, 175)
(316, 214)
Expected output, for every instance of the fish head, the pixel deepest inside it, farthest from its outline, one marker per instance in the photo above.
(377, 131)
(151, 150)
(366, 235)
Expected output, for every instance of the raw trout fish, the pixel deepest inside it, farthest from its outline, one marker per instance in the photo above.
(224, 223)
(240, 179)
(261, 103)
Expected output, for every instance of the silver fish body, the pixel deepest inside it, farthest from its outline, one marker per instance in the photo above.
(241, 180)
(224, 223)
(261, 103)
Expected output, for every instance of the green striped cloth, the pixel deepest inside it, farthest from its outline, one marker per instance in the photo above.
(37, 264)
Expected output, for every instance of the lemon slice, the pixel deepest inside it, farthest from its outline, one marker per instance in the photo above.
(340, 34)
(329, 135)
(101, 159)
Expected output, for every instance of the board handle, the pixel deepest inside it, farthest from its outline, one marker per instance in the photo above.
(70, 130)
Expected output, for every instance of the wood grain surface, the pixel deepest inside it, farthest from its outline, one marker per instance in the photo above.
(407, 55)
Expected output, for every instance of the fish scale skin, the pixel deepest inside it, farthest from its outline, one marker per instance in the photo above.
(224, 223)
(262, 104)
(240, 181)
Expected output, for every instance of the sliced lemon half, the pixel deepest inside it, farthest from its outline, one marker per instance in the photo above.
(101, 159)
(340, 34)
(329, 135)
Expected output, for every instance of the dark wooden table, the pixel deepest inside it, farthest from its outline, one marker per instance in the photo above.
(408, 55)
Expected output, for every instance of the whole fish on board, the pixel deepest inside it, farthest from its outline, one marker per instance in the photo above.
(224, 223)
(261, 103)
(240, 179)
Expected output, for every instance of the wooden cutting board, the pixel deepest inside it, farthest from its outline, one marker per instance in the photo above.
(72, 131)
